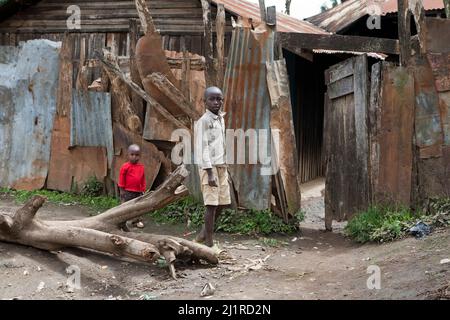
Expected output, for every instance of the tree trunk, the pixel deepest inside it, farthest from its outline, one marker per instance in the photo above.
(102, 232)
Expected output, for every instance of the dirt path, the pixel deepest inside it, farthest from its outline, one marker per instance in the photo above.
(317, 265)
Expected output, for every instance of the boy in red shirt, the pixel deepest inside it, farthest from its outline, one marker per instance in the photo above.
(132, 179)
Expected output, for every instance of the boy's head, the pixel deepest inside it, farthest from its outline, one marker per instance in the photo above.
(213, 99)
(134, 153)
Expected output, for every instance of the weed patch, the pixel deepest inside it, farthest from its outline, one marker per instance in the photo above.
(99, 203)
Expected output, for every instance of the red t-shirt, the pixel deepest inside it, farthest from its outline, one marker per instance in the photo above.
(132, 177)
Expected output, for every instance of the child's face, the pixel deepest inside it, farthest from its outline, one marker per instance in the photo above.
(134, 156)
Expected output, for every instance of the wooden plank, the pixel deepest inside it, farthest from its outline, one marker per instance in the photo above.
(293, 41)
(447, 8)
(262, 10)
(64, 95)
(361, 96)
(220, 46)
(208, 43)
(136, 100)
(404, 31)
(152, 102)
(395, 136)
(176, 99)
(374, 127)
(341, 87)
(339, 71)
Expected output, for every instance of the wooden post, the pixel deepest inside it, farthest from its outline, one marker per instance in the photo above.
(447, 8)
(262, 10)
(136, 100)
(220, 34)
(271, 17)
(208, 43)
(404, 31)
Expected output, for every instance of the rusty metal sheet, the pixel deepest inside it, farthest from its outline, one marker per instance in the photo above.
(71, 167)
(91, 124)
(434, 176)
(394, 136)
(440, 64)
(343, 15)
(281, 119)
(59, 177)
(285, 23)
(437, 35)
(28, 85)
(88, 162)
(247, 106)
(427, 114)
(151, 157)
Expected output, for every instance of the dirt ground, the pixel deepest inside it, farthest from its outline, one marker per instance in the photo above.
(310, 265)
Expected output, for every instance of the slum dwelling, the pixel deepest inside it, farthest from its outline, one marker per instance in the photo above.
(86, 107)
(194, 42)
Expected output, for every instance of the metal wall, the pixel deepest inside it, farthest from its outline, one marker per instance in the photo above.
(247, 104)
(28, 85)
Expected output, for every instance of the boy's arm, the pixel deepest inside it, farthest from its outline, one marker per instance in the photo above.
(205, 159)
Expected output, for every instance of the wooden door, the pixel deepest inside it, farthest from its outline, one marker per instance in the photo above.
(346, 139)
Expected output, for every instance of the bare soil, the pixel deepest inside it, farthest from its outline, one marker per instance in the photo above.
(310, 265)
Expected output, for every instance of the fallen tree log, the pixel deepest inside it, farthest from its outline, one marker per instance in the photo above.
(102, 232)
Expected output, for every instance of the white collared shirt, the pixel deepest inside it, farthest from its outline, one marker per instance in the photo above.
(210, 140)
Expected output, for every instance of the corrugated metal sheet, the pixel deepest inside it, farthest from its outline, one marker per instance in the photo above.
(91, 124)
(285, 23)
(390, 6)
(28, 85)
(343, 15)
(247, 103)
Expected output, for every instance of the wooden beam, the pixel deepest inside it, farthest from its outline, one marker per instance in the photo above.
(136, 101)
(404, 31)
(447, 8)
(153, 103)
(220, 34)
(262, 10)
(163, 84)
(208, 43)
(417, 8)
(294, 41)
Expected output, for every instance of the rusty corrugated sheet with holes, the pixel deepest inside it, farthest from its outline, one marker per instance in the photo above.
(247, 104)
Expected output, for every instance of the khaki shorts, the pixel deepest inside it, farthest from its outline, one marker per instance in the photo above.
(216, 196)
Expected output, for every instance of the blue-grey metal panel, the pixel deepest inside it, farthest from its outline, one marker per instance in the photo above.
(28, 86)
(91, 124)
(247, 104)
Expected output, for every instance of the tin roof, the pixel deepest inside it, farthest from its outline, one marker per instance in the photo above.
(346, 13)
(285, 23)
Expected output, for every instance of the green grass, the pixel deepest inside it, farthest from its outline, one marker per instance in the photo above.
(248, 222)
(98, 203)
(388, 223)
